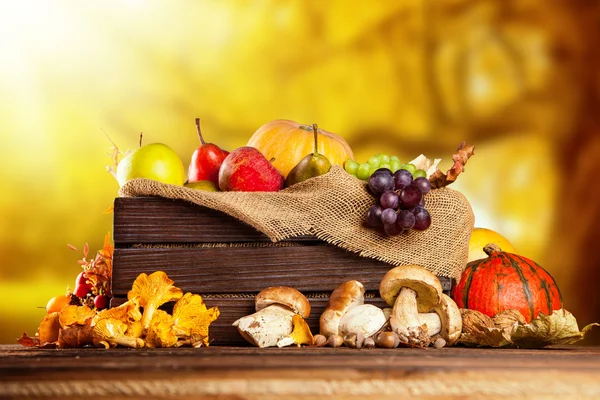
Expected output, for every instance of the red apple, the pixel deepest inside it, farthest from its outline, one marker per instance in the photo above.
(247, 170)
(206, 161)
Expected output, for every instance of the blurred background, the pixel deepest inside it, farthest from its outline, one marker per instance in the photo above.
(519, 79)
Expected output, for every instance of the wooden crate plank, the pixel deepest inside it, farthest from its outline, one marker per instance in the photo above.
(161, 220)
(247, 269)
(223, 333)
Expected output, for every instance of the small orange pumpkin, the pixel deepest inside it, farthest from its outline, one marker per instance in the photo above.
(288, 142)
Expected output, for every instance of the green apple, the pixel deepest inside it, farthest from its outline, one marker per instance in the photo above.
(207, 186)
(154, 161)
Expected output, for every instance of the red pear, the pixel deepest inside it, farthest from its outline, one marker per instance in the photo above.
(246, 170)
(206, 161)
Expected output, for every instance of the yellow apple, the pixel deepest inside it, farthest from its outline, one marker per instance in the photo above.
(482, 236)
(154, 161)
(207, 186)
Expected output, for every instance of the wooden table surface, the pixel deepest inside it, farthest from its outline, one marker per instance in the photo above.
(293, 373)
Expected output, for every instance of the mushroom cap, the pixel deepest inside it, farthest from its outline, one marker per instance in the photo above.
(344, 297)
(285, 296)
(425, 284)
(450, 318)
(365, 319)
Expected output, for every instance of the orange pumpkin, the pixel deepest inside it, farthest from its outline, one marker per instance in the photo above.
(288, 142)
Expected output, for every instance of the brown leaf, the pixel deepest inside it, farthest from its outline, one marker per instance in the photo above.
(72, 247)
(438, 179)
(28, 341)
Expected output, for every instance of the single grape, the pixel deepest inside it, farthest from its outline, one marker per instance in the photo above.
(409, 167)
(394, 158)
(395, 165)
(405, 219)
(351, 166)
(411, 196)
(384, 158)
(389, 199)
(419, 173)
(422, 219)
(374, 161)
(386, 166)
(393, 229)
(374, 216)
(379, 182)
(402, 178)
(363, 171)
(388, 216)
(423, 184)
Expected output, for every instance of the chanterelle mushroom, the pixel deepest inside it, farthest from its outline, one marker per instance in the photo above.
(300, 335)
(110, 332)
(445, 321)
(153, 291)
(273, 319)
(346, 296)
(410, 289)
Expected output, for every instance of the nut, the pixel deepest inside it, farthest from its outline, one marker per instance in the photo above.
(387, 340)
(320, 341)
(354, 340)
(369, 343)
(439, 343)
(335, 341)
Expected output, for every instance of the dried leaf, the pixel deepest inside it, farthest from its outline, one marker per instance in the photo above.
(75, 315)
(86, 249)
(49, 328)
(109, 210)
(479, 330)
(75, 336)
(438, 179)
(72, 247)
(560, 327)
(28, 341)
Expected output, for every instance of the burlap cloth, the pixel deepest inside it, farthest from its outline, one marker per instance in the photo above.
(333, 208)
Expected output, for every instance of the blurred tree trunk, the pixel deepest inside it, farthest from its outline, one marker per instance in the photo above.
(574, 248)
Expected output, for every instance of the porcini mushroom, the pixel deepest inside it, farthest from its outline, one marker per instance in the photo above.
(276, 307)
(445, 321)
(346, 296)
(365, 319)
(410, 289)
(153, 291)
(284, 296)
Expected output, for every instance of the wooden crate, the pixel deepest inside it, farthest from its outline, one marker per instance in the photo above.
(228, 262)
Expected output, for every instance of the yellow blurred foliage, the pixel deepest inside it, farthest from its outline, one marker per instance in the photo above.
(397, 77)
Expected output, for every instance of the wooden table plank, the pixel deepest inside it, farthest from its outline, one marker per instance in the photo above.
(247, 372)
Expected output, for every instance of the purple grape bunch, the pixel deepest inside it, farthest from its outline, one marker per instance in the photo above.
(400, 204)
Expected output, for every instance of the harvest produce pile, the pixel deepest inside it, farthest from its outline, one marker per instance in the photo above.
(501, 299)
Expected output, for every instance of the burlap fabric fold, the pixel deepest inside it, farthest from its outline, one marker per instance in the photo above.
(333, 208)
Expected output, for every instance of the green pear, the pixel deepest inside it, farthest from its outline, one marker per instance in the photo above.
(207, 186)
(312, 165)
(154, 161)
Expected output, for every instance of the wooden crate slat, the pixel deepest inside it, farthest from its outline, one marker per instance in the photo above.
(247, 269)
(223, 333)
(160, 220)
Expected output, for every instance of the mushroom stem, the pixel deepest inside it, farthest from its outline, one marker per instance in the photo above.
(405, 319)
(432, 323)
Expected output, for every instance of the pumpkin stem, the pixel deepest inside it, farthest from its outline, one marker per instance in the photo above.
(316, 132)
(491, 248)
(272, 160)
(198, 130)
(141, 136)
